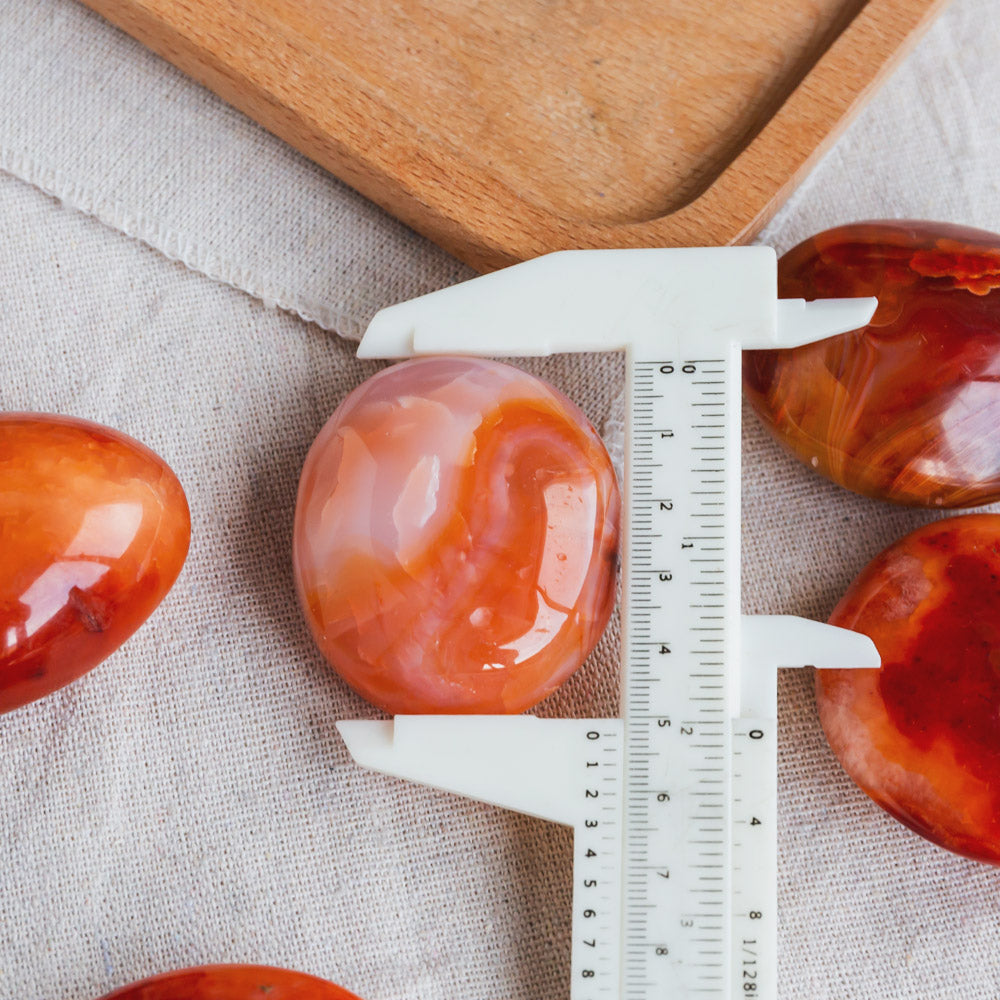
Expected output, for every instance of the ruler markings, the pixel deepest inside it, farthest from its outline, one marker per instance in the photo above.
(692, 555)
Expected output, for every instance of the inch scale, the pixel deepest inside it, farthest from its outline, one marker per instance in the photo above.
(673, 806)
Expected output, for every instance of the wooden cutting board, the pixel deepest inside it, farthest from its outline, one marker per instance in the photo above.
(506, 129)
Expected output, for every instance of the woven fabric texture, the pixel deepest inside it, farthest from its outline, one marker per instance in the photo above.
(173, 271)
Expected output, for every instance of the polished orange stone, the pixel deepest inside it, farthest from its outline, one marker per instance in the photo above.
(94, 529)
(232, 982)
(922, 735)
(907, 408)
(456, 538)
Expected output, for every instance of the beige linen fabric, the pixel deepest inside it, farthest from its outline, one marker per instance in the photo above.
(190, 801)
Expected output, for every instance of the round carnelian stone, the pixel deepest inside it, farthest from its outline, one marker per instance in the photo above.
(94, 529)
(232, 982)
(921, 735)
(456, 538)
(905, 409)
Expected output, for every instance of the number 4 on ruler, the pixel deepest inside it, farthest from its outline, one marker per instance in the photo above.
(674, 805)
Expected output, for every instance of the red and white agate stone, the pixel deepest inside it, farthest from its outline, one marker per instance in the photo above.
(922, 735)
(456, 538)
(906, 408)
(94, 529)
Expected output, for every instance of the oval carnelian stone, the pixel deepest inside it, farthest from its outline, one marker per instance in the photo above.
(232, 982)
(907, 408)
(456, 538)
(94, 529)
(921, 735)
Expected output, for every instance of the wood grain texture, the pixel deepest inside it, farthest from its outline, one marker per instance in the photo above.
(503, 131)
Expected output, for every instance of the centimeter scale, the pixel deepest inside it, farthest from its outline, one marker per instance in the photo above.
(673, 806)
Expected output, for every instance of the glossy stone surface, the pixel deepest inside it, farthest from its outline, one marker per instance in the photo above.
(94, 529)
(922, 735)
(232, 982)
(456, 538)
(906, 409)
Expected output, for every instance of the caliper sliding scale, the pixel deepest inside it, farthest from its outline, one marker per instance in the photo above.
(673, 806)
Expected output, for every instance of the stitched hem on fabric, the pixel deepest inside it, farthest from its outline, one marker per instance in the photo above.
(174, 245)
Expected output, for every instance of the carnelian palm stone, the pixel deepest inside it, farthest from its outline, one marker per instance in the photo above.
(456, 538)
(922, 735)
(94, 529)
(232, 982)
(907, 408)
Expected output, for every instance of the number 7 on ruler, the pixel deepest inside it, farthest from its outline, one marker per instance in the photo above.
(674, 805)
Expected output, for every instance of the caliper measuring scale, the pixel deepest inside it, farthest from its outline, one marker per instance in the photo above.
(673, 806)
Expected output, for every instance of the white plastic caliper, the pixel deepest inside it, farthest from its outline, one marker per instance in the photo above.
(674, 805)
